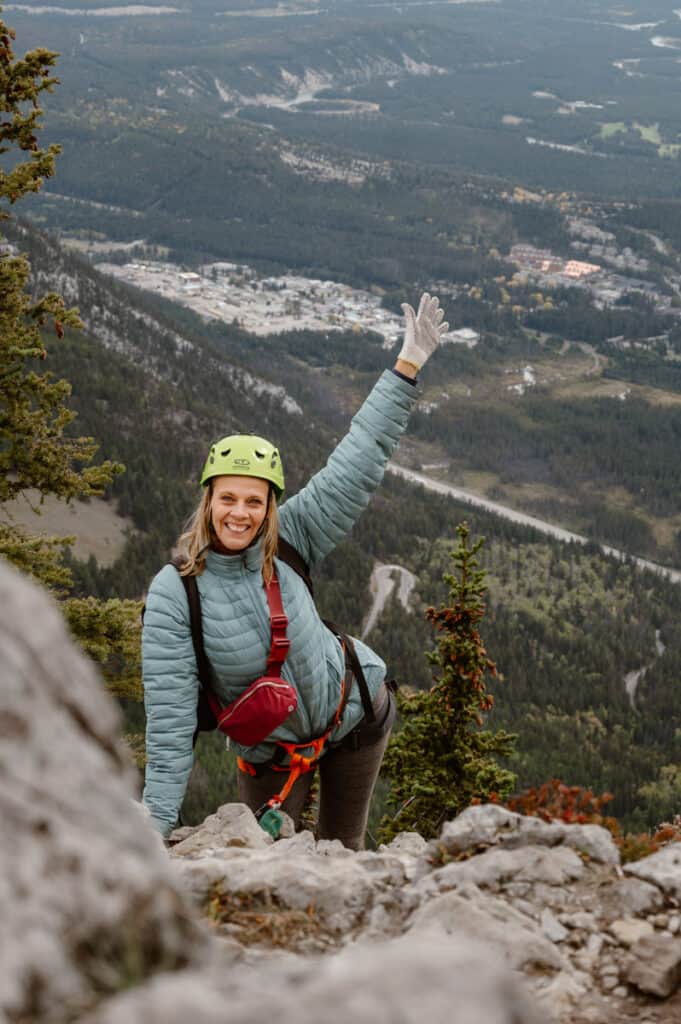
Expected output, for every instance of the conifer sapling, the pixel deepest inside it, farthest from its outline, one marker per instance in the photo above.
(442, 760)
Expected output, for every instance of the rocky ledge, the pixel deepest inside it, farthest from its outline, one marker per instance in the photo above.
(504, 919)
(590, 940)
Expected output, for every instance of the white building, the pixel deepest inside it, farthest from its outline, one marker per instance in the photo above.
(464, 336)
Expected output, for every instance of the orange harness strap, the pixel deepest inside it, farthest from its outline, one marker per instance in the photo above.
(299, 764)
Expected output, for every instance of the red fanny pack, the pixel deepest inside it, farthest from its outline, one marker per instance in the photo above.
(260, 709)
(269, 700)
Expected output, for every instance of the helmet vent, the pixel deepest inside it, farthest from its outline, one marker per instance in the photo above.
(225, 453)
(260, 454)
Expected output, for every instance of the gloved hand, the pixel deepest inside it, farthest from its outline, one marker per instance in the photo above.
(423, 330)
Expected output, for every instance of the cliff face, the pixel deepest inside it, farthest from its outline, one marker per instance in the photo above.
(504, 919)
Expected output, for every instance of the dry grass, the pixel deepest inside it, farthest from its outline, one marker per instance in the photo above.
(259, 919)
(99, 531)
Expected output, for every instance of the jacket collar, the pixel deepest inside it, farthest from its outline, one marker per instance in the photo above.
(233, 565)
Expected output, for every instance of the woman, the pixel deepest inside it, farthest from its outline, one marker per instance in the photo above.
(230, 548)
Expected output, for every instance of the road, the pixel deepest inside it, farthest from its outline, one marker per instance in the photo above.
(520, 517)
(382, 585)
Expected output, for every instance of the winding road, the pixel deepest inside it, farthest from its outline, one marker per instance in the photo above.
(521, 517)
(382, 585)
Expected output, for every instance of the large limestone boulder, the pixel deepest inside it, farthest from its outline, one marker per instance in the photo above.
(90, 904)
(411, 980)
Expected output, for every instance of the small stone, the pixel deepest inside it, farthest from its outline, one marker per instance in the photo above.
(552, 927)
(582, 919)
(629, 897)
(674, 924)
(654, 965)
(584, 961)
(660, 921)
(525, 907)
(594, 944)
(609, 983)
(621, 992)
(629, 930)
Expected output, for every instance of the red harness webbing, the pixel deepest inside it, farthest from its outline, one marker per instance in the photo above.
(299, 764)
(279, 644)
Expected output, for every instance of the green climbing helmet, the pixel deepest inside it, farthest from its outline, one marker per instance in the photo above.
(245, 455)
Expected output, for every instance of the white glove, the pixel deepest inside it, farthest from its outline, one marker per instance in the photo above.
(423, 330)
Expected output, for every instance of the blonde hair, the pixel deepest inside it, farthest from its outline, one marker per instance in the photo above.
(198, 535)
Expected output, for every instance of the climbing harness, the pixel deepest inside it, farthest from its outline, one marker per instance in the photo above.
(299, 763)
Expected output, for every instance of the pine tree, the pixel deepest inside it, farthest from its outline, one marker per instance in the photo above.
(442, 760)
(38, 457)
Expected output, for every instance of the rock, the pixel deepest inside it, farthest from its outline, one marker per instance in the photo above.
(582, 920)
(409, 844)
(336, 893)
(89, 899)
(629, 896)
(490, 824)
(492, 921)
(594, 945)
(552, 927)
(100, 925)
(411, 980)
(655, 965)
(496, 867)
(231, 825)
(663, 869)
(629, 930)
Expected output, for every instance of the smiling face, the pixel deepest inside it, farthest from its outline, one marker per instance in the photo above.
(237, 510)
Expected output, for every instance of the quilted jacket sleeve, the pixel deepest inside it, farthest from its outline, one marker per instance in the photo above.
(324, 511)
(170, 696)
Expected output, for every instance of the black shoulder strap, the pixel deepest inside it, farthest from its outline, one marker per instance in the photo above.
(292, 557)
(194, 602)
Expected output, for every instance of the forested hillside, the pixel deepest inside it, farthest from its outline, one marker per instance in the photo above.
(457, 148)
(565, 625)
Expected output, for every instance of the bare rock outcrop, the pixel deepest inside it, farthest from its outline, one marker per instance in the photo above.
(90, 902)
(504, 919)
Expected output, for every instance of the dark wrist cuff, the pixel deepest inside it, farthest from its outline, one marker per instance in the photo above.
(402, 376)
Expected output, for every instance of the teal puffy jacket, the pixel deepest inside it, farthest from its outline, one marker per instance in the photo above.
(236, 623)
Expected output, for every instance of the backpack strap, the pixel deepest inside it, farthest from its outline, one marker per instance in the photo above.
(196, 622)
(353, 662)
(287, 553)
(208, 707)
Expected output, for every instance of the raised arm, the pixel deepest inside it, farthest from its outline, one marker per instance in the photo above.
(324, 511)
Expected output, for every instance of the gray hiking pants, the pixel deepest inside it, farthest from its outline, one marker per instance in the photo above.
(347, 777)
